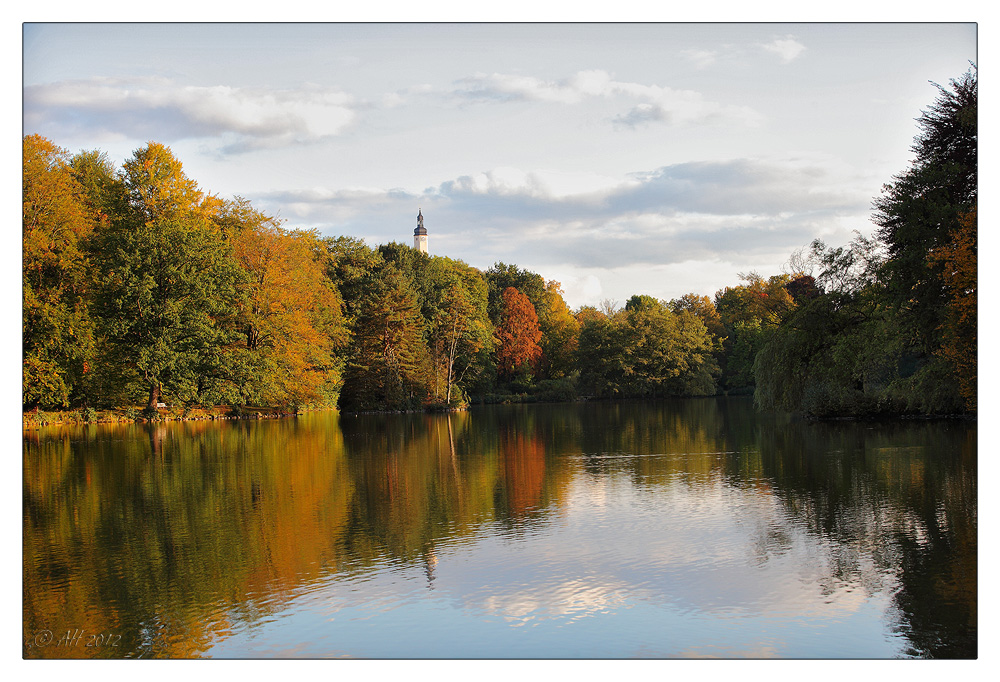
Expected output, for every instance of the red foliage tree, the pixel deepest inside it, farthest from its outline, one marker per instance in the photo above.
(518, 333)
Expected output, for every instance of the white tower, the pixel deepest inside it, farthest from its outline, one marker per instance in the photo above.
(420, 234)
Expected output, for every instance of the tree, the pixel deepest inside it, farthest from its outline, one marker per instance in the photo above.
(959, 344)
(559, 341)
(461, 333)
(57, 327)
(646, 351)
(518, 334)
(290, 320)
(803, 288)
(168, 284)
(749, 312)
(922, 208)
(387, 368)
(642, 302)
(502, 276)
(703, 307)
(920, 214)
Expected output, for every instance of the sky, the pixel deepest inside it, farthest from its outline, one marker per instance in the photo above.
(617, 159)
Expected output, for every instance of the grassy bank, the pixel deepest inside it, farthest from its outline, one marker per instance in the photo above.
(37, 418)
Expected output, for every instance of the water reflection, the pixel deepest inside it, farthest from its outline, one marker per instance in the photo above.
(692, 528)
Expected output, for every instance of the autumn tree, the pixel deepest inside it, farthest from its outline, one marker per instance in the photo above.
(959, 340)
(560, 336)
(290, 321)
(555, 321)
(586, 314)
(749, 312)
(518, 335)
(502, 276)
(57, 327)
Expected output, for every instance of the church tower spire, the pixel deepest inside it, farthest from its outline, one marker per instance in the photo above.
(420, 234)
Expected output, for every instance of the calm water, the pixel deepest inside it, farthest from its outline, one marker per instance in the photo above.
(679, 529)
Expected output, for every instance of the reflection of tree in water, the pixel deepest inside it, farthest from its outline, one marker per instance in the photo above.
(890, 499)
(190, 531)
(421, 479)
(893, 504)
(521, 486)
(171, 535)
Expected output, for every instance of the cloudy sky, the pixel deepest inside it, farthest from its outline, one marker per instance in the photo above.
(615, 158)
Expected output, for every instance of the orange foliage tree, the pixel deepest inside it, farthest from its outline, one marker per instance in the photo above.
(290, 322)
(959, 341)
(559, 339)
(518, 334)
(57, 330)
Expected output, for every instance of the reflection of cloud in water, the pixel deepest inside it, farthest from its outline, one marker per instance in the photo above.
(571, 599)
(692, 543)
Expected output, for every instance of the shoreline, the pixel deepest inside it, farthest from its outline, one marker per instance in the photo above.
(36, 419)
(32, 420)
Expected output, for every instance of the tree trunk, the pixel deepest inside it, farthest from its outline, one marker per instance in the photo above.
(451, 366)
(154, 395)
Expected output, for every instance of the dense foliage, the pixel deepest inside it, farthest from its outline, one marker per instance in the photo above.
(140, 288)
(892, 328)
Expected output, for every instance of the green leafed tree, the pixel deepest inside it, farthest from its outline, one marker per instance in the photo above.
(892, 327)
(836, 353)
(388, 362)
(461, 337)
(168, 285)
(919, 213)
(646, 351)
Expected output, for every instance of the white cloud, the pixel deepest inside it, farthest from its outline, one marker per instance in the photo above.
(655, 103)
(695, 219)
(165, 110)
(787, 48)
(507, 87)
(700, 59)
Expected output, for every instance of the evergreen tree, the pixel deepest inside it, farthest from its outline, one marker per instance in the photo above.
(922, 208)
(388, 365)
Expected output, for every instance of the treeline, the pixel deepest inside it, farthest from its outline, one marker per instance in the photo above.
(140, 288)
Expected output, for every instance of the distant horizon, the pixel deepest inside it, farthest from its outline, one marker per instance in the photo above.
(617, 159)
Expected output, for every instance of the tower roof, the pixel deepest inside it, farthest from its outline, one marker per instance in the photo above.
(420, 229)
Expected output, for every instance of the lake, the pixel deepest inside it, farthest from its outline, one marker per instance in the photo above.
(677, 529)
